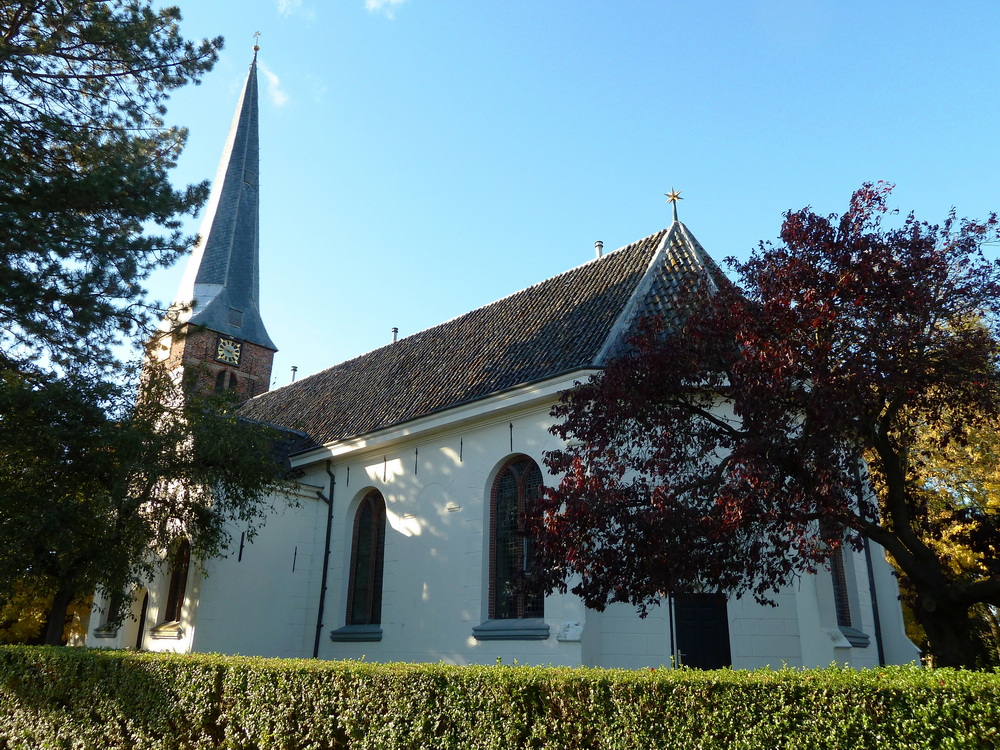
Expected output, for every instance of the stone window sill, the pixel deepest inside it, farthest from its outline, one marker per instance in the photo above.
(511, 630)
(356, 633)
(168, 631)
(855, 637)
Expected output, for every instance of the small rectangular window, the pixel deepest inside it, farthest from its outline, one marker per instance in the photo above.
(235, 317)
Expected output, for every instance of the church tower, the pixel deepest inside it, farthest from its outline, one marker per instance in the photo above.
(214, 333)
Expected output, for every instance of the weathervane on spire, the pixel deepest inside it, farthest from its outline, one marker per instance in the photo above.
(256, 47)
(672, 197)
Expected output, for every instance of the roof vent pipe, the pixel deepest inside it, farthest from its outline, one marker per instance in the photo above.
(395, 334)
(294, 370)
(599, 248)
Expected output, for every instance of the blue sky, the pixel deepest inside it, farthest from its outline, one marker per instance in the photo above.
(420, 158)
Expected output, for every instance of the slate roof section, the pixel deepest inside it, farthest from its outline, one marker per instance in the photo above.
(223, 272)
(564, 324)
(682, 267)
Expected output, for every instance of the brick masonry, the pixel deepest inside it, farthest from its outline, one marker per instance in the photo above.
(195, 350)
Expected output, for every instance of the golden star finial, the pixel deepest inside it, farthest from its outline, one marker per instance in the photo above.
(672, 197)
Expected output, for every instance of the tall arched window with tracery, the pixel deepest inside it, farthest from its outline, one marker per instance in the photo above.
(364, 593)
(516, 486)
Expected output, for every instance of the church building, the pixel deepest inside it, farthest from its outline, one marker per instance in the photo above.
(413, 463)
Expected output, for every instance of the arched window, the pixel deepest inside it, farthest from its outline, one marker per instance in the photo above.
(364, 593)
(140, 631)
(515, 487)
(179, 565)
(845, 601)
(110, 618)
(224, 381)
(841, 596)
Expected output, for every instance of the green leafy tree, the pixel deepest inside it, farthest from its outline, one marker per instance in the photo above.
(86, 207)
(958, 462)
(24, 614)
(96, 483)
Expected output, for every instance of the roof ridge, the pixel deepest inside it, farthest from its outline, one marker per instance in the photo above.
(536, 285)
(627, 315)
(528, 288)
(638, 305)
(552, 327)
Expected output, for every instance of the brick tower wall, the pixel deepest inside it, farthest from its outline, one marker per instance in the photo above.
(195, 350)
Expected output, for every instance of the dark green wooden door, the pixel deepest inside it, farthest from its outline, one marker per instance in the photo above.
(702, 631)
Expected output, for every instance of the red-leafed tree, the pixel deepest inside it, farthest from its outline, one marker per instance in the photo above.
(781, 421)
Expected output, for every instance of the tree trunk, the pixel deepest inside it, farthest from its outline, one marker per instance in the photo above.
(948, 629)
(56, 621)
(990, 615)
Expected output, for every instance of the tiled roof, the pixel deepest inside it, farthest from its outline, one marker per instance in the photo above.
(566, 323)
(682, 266)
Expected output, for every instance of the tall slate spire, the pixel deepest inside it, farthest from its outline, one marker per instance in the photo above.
(222, 275)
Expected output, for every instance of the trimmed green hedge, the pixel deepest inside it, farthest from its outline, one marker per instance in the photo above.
(73, 698)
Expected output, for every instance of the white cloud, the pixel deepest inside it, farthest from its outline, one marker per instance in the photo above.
(295, 8)
(278, 97)
(384, 6)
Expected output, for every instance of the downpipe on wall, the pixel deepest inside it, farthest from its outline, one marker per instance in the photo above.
(326, 558)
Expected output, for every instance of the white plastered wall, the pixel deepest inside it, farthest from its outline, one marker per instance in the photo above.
(263, 600)
(435, 476)
(260, 602)
(436, 489)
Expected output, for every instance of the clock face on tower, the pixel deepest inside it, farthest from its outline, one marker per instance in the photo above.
(228, 351)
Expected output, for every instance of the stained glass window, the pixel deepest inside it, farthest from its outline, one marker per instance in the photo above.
(364, 598)
(511, 596)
